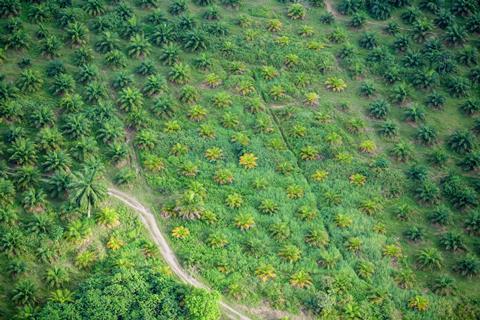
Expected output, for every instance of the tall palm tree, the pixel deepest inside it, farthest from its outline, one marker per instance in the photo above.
(87, 189)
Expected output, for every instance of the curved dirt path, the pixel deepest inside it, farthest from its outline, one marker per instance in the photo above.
(148, 219)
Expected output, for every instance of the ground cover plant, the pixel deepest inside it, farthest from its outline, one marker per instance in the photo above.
(315, 157)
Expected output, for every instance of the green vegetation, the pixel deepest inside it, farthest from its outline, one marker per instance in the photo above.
(316, 157)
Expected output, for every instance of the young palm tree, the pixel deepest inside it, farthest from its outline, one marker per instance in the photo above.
(62, 84)
(419, 303)
(461, 142)
(468, 266)
(76, 33)
(335, 84)
(290, 253)
(265, 272)
(427, 192)
(317, 238)
(471, 161)
(379, 109)
(116, 59)
(470, 107)
(24, 292)
(107, 43)
(179, 73)
(29, 81)
(86, 188)
(245, 221)
(429, 258)
(145, 139)
(139, 47)
(452, 241)
(455, 34)
(130, 99)
(414, 113)
(458, 87)
(56, 277)
(444, 286)
(301, 279)
(23, 151)
(94, 7)
(195, 41)
(61, 296)
(426, 135)
(296, 11)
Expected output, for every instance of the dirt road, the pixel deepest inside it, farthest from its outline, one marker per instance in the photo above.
(148, 219)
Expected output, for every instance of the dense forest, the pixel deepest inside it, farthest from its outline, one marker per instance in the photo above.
(313, 159)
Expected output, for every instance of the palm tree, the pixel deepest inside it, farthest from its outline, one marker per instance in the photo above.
(472, 223)
(458, 86)
(116, 59)
(7, 192)
(86, 188)
(379, 9)
(461, 141)
(468, 266)
(290, 253)
(421, 29)
(414, 113)
(170, 54)
(415, 234)
(163, 34)
(61, 296)
(56, 160)
(296, 11)
(426, 135)
(429, 258)
(379, 109)
(23, 151)
(139, 46)
(368, 41)
(94, 92)
(470, 107)
(107, 43)
(452, 241)
(62, 84)
(107, 217)
(58, 184)
(347, 7)
(444, 286)
(29, 81)
(435, 100)
(76, 33)
(179, 73)
(471, 161)
(9, 9)
(130, 99)
(427, 192)
(146, 139)
(56, 276)
(24, 292)
(444, 18)
(94, 7)
(301, 279)
(455, 34)
(76, 126)
(195, 41)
